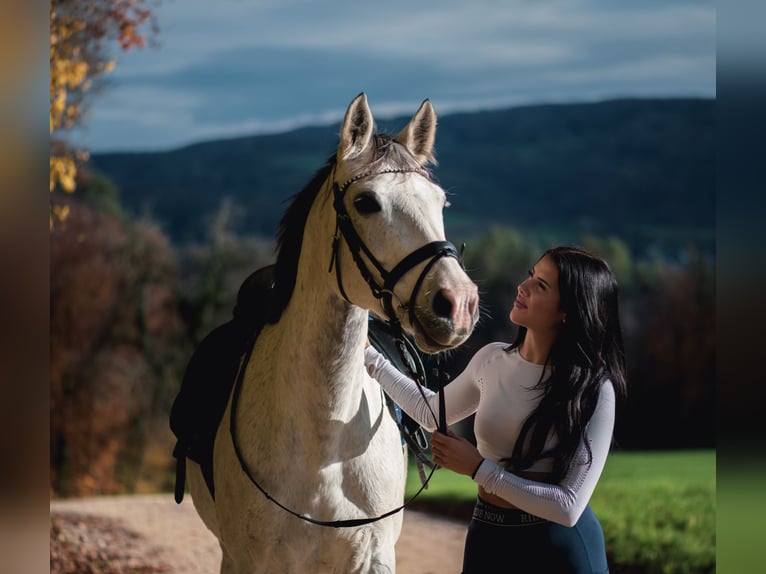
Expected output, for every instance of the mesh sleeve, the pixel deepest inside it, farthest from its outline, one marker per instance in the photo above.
(461, 396)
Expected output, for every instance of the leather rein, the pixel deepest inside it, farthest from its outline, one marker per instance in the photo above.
(344, 228)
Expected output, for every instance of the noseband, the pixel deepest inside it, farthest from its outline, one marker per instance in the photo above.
(344, 227)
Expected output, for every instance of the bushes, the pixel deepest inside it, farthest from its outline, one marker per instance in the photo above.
(659, 528)
(658, 511)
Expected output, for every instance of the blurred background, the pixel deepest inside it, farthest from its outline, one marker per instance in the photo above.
(180, 130)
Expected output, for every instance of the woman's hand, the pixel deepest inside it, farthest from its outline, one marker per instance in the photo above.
(455, 453)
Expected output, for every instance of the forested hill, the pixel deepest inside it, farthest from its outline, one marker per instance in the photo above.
(638, 168)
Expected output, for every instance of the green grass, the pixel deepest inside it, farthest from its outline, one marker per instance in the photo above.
(657, 508)
(741, 504)
(443, 486)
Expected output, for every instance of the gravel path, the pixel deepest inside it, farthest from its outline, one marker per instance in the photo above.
(172, 538)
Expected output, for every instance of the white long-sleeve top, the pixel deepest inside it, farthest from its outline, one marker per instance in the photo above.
(498, 386)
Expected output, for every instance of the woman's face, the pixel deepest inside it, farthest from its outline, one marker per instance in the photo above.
(537, 303)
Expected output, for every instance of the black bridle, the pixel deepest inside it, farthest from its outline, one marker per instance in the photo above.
(345, 228)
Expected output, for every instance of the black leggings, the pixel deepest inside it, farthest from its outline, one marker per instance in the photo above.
(500, 540)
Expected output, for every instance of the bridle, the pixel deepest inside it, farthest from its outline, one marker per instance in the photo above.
(344, 227)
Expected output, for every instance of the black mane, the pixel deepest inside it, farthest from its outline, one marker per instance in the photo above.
(293, 222)
(290, 237)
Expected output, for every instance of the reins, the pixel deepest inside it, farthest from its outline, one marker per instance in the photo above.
(345, 228)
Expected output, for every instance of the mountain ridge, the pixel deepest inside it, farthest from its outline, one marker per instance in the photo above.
(628, 167)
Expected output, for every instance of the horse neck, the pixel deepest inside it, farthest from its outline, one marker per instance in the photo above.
(325, 334)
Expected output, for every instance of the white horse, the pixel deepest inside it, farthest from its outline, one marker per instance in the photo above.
(312, 426)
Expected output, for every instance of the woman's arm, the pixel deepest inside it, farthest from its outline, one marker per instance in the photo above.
(563, 502)
(461, 396)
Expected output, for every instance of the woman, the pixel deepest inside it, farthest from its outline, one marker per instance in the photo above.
(545, 408)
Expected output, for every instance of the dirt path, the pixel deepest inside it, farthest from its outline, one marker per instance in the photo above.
(175, 537)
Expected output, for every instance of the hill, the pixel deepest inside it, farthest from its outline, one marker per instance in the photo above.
(641, 169)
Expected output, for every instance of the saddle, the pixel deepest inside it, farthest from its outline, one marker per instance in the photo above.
(211, 373)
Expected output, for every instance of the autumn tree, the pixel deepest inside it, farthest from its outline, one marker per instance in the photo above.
(81, 35)
(127, 309)
(118, 349)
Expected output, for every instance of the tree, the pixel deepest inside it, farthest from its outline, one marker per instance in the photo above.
(212, 272)
(673, 370)
(616, 253)
(118, 349)
(80, 34)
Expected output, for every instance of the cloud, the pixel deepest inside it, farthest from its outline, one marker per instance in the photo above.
(236, 67)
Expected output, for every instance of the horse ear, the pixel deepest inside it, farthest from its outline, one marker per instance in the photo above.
(357, 128)
(419, 135)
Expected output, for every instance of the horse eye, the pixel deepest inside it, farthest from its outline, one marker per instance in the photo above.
(366, 204)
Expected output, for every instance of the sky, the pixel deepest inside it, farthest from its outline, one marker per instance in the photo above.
(229, 68)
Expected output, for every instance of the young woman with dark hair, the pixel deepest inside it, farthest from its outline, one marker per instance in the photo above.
(545, 408)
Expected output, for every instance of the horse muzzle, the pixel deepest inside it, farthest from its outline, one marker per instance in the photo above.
(447, 316)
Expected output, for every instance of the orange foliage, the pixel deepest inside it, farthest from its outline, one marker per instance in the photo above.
(79, 33)
(117, 347)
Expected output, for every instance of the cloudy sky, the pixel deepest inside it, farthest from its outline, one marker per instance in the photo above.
(225, 68)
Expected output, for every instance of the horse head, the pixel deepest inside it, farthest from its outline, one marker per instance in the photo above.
(390, 252)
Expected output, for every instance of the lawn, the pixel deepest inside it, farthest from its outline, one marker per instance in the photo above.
(657, 508)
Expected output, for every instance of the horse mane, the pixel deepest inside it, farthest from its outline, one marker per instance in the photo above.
(386, 154)
(290, 236)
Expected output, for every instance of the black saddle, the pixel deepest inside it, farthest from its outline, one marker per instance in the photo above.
(209, 377)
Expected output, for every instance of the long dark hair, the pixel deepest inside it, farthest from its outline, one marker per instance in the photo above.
(587, 350)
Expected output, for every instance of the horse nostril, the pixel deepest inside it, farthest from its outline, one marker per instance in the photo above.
(441, 305)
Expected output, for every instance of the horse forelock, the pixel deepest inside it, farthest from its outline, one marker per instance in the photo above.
(389, 154)
(386, 153)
